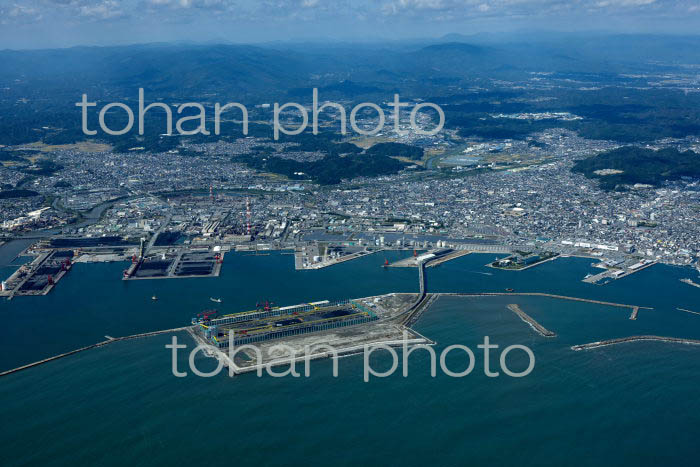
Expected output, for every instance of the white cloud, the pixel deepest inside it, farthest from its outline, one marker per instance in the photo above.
(107, 9)
(338, 11)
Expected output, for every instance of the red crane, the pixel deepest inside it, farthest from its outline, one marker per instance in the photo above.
(207, 315)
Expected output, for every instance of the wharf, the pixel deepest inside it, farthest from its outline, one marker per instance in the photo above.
(302, 262)
(615, 274)
(184, 265)
(39, 276)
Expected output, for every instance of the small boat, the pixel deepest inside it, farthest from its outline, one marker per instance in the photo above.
(509, 290)
(154, 298)
(215, 300)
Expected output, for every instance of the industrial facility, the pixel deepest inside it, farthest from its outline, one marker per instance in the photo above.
(267, 322)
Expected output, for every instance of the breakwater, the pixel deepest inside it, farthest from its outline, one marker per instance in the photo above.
(622, 340)
(541, 330)
(540, 294)
(93, 346)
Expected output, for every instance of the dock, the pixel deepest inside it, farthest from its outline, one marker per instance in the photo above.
(541, 330)
(614, 274)
(304, 260)
(183, 265)
(39, 276)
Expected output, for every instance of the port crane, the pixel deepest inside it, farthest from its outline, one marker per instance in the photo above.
(207, 315)
(266, 305)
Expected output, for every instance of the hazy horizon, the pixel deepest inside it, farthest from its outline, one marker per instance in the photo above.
(66, 23)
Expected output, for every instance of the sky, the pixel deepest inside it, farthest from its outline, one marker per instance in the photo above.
(65, 23)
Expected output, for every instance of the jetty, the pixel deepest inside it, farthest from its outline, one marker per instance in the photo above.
(635, 312)
(690, 282)
(622, 340)
(539, 329)
(93, 346)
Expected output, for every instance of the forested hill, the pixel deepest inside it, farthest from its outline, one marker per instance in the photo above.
(629, 165)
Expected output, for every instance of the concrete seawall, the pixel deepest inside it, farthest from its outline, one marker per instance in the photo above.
(93, 346)
(540, 294)
(622, 340)
(541, 330)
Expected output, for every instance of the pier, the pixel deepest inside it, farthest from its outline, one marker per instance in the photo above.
(40, 275)
(622, 340)
(541, 330)
(184, 265)
(614, 274)
(312, 258)
(93, 346)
